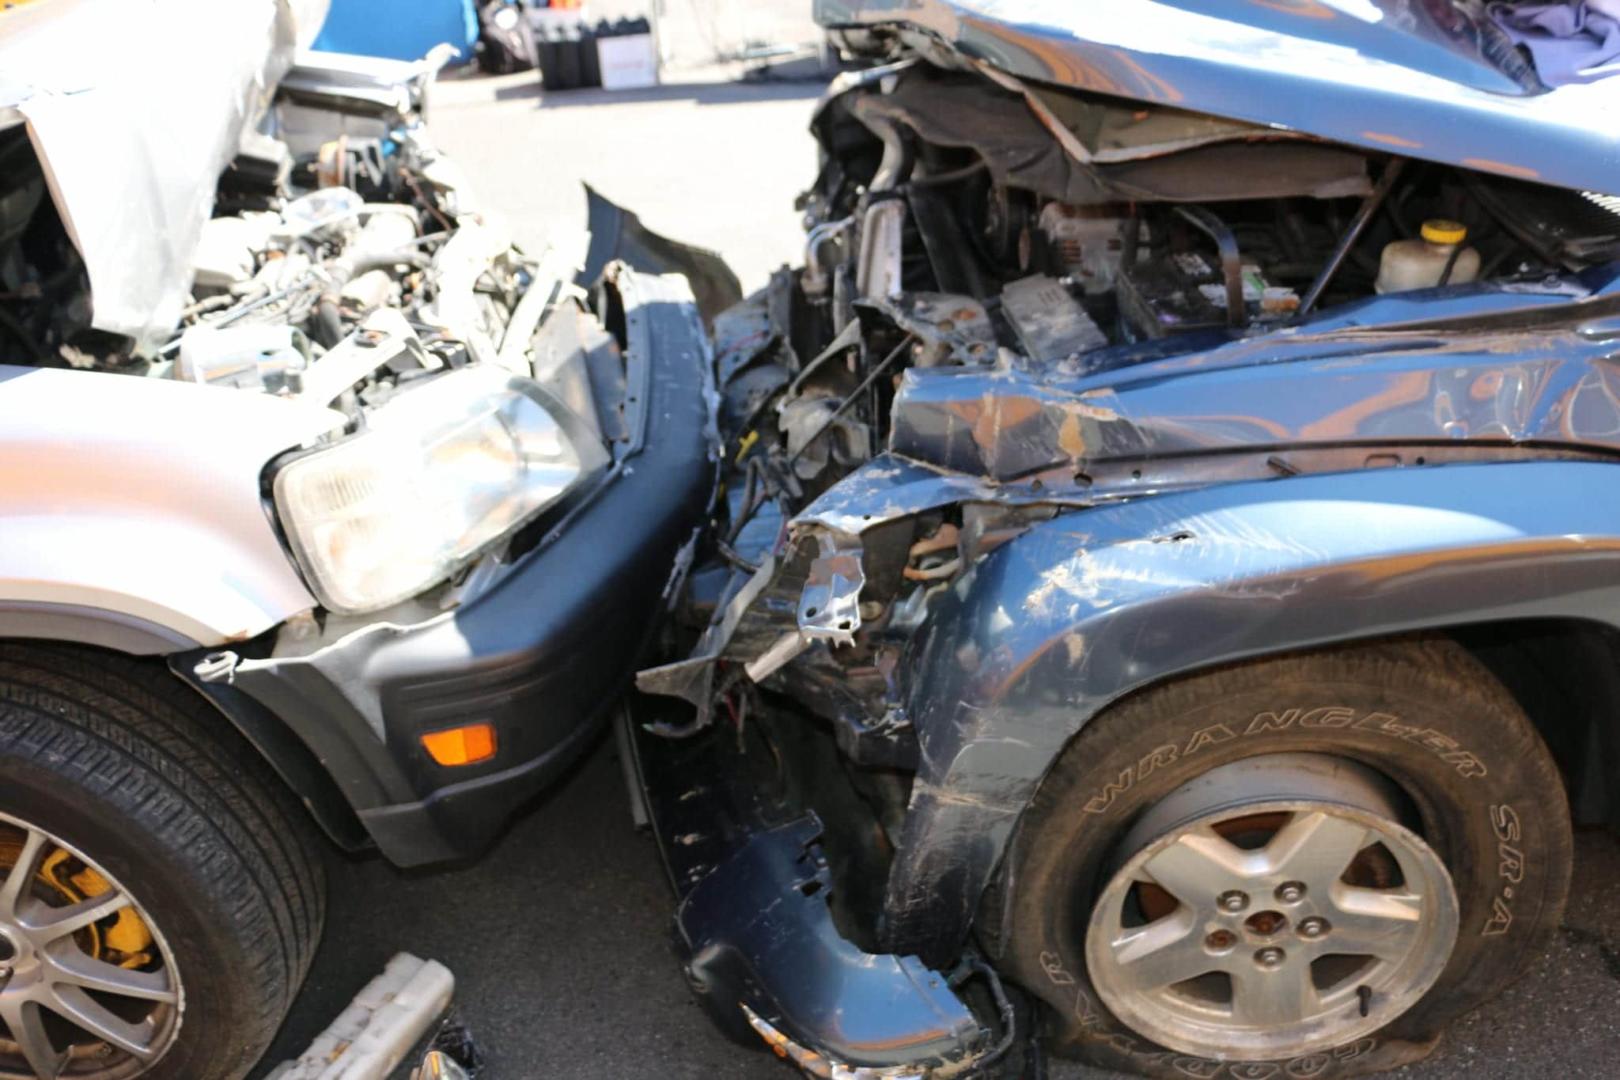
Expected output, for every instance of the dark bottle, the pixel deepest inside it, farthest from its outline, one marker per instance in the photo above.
(590, 62)
(546, 46)
(568, 59)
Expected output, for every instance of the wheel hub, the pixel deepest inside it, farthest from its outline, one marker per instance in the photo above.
(69, 1008)
(1271, 908)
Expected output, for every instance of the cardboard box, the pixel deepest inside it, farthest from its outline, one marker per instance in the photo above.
(628, 63)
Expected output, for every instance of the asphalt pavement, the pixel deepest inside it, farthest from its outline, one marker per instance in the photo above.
(560, 942)
(559, 936)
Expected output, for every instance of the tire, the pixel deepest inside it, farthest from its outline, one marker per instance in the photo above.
(119, 763)
(1474, 778)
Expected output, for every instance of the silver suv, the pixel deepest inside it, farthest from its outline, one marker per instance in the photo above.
(322, 504)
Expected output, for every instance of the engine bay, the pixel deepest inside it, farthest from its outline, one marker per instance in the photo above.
(1182, 225)
(345, 260)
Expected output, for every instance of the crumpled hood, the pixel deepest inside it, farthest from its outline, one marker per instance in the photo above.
(1417, 79)
(1485, 373)
(134, 109)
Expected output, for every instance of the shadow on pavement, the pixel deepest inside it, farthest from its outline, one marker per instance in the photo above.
(559, 938)
(701, 93)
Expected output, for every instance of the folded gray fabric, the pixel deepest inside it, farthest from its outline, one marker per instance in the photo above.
(1568, 42)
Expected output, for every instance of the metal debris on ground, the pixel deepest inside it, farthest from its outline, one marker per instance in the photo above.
(372, 1036)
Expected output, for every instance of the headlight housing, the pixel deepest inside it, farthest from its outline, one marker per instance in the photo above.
(440, 472)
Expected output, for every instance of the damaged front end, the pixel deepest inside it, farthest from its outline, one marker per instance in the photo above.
(1072, 395)
(375, 471)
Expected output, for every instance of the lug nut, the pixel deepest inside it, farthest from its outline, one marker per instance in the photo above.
(1266, 923)
(1291, 892)
(1313, 927)
(1270, 957)
(1233, 901)
(1220, 940)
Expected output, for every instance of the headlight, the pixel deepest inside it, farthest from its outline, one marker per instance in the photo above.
(441, 471)
(506, 18)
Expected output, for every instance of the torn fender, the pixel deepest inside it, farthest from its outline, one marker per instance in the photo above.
(756, 933)
(758, 936)
(1051, 628)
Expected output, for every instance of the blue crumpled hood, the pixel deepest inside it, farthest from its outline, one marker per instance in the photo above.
(1412, 77)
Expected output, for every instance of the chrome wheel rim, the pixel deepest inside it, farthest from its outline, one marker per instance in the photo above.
(1249, 920)
(72, 1003)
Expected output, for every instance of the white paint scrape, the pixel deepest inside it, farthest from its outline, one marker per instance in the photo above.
(378, 1028)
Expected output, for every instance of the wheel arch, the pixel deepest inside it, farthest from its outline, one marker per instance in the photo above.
(1540, 661)
(294, 764)
(82, 624)
(1114, 600)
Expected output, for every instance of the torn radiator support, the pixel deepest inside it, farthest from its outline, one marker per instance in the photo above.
(829, 604)
(692, 679)
(805, 600)
(581, 360)
(952, 329)
(805, 595)
(755, 929)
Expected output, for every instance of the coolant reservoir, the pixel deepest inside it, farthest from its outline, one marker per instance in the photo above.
(1421, 264)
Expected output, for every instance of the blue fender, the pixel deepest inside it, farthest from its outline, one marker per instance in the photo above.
(1081, 610)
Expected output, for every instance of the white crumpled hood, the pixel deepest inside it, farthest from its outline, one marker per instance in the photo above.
(134, 107)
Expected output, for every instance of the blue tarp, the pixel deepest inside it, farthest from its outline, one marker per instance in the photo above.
(399, 29)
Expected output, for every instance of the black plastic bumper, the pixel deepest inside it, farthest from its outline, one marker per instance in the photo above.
(758, 939)
(542, 655)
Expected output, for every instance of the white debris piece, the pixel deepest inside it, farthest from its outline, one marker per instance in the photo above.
(379, 1027)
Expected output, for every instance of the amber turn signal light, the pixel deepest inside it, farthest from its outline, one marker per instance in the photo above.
(467, 745)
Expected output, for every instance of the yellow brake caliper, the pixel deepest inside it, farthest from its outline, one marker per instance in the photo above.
(128, 935)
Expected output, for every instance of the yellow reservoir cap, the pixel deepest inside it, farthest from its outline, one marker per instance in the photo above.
(1441, 231)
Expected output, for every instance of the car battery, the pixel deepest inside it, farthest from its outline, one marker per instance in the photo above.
(1185, 291)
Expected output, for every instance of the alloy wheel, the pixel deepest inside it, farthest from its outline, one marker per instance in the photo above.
(1257, 927)
(88, 987)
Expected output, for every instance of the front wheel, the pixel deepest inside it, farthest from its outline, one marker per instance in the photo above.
(1301, 867)
(160, 895)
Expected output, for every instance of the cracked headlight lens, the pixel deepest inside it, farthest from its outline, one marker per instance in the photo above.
(439, 473)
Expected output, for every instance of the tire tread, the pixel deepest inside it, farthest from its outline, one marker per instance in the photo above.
(134, 738)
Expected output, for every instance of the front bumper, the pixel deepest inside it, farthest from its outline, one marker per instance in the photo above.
(758, 940)
(541, 655)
